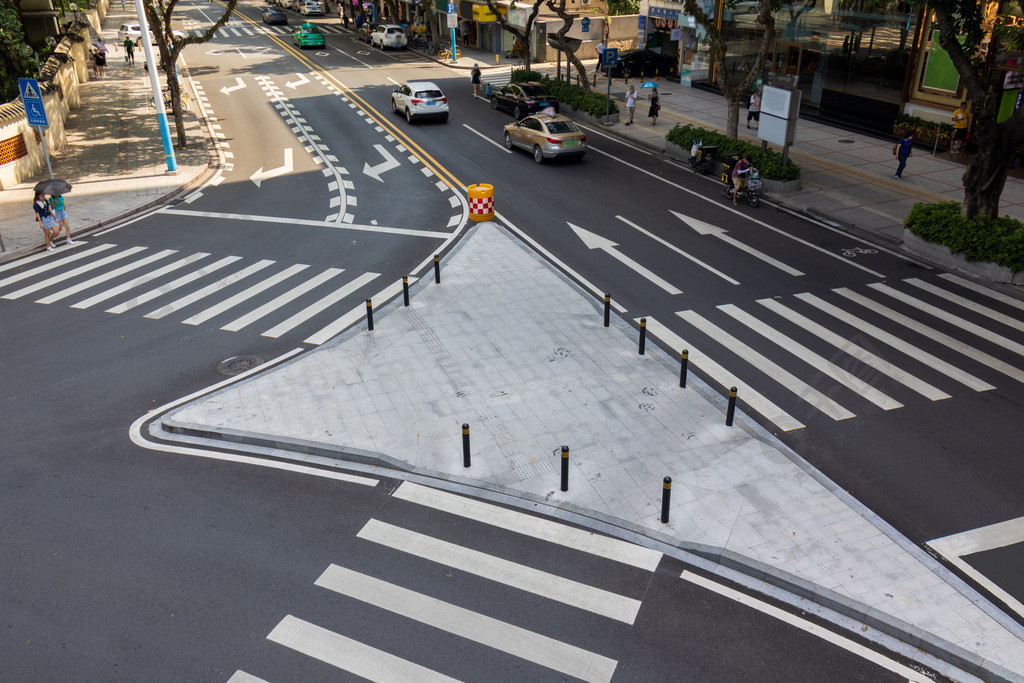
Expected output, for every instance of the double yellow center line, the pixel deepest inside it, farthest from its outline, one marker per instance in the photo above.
(446, 176)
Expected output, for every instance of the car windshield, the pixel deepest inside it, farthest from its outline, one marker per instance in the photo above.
(310, 29)
(429, 93)
(534, 91)
(562, 127)
(395, 30)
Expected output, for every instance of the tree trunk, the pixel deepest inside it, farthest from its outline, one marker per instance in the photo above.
(986, 173)
(732, 119)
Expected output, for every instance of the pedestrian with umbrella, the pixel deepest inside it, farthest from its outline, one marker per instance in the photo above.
(52, 215)
(46, 221)
(99, 59)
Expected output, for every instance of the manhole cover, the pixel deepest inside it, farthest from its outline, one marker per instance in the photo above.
(236, 365)
(846, 142)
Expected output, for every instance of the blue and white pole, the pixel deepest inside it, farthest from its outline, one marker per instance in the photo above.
(158, 98)
(455, 49)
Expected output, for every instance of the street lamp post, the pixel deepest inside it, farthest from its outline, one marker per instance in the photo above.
(158, 98)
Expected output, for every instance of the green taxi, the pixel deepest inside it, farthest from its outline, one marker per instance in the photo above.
(308, 35)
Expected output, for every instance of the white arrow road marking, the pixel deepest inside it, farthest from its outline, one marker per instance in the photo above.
(294, 84)
(593, 241)
(677, 250)
(703, 228)
(389, 163)
(227, 91)
(260, 175)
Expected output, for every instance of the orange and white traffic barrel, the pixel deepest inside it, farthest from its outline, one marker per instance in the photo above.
(481, 202)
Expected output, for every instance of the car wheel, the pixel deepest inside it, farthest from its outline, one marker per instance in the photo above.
(753, 200)
(394, 106)
(517, 113)
(408, 115)
(508, 140)
(444, 118)
(728, 192)
(494, 103)
(538, 155)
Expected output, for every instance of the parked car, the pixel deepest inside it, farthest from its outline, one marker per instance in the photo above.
(419, 100)
(311, 8)
(308, 35)
(364, 31)
(547, 137)
(643, 63)
(389, 35)
(523, 98)
(273, 15)
(134, 32)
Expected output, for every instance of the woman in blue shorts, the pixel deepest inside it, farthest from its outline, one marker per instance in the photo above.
(61, 217)
(45, 217)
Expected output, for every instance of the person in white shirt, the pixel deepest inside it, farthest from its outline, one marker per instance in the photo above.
(630, 104)
(600, 54)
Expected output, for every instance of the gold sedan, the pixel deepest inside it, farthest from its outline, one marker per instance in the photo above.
(547, 137)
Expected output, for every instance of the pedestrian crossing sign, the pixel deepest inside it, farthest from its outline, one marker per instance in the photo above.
(32, 96)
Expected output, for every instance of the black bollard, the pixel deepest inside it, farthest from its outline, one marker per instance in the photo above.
(369, 315)
(437, 269)
(465, 444)
(643, 335)
(565, 468)
(666, 496)
(732, 407)
(683, 363)
(607, 309)
(405, 289)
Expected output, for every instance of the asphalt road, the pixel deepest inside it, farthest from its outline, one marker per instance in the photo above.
(127, 563)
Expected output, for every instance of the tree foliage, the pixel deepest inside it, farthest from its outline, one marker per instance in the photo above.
(159, 14)
(570, 54)
(617, 7)
(16, 58)
(522, 35)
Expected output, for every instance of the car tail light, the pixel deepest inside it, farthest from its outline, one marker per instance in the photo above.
(416, 101)
(529, 102)
(554, 141)
(444, 99)
(583, 139)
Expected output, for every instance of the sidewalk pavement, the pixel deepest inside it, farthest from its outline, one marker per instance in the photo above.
(539, 370)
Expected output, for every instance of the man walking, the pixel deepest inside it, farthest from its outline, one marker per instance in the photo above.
(129, 50)
(960, 122)
(600, 55)
(904, 150)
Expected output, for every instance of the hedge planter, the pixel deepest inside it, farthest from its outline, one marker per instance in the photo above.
(581, 115)
(940, 253)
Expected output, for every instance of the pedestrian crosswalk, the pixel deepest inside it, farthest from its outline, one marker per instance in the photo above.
(850, 350)
(232, 292)
(241, 29)
(623, 565)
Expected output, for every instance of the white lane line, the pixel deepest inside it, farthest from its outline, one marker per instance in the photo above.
(861, 354)
(314, 308)
(1007, 320)
(771, 412)
(998, 535)
(302, 221)
(171, 286)
(534, 647)
(528, 525)
(394, 81)
(948, 317)
(823, 633)
(117, 272)
(811, 358)
(209, 289)
(142, 279)
(356, 313)
(940, 337)
(621, 141)
(679, 251)
(290, 295)
(243, 677)
(544, 584)
(73, 273)
(768, 367)
(892, 340)
(244, 295)
(349, 655)
(487, 139)
(982, 289)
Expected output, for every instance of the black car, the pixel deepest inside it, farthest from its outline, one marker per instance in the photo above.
(523, 98)
(643, 63)
(273, 15)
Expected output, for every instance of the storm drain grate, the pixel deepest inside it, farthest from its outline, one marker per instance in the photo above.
(236, 365)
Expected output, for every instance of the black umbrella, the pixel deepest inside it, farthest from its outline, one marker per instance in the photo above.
(53, 186)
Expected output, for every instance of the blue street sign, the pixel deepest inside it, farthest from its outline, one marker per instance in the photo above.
(452, 9)
(610, 56)
(586, 24)
(32, 96)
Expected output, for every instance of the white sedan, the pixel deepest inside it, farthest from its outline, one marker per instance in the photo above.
(419, 100)
(134, 32)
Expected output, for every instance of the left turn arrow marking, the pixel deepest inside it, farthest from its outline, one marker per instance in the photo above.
(227, 91)
(260, 175)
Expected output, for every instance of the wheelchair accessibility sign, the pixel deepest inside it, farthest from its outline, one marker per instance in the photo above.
(32, 96)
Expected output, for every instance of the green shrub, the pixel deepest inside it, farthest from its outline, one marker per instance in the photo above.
(574, 96)
(998, 240)
(768, 163)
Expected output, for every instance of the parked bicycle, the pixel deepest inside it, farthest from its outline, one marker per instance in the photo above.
(445, 54)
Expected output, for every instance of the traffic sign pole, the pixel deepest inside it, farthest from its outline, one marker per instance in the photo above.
(35, 112)
(46, 155)
(158, 97)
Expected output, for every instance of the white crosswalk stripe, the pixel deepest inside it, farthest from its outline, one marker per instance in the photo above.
(69, 271)
(533, 647)
(983, 290)
(1009, 321)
